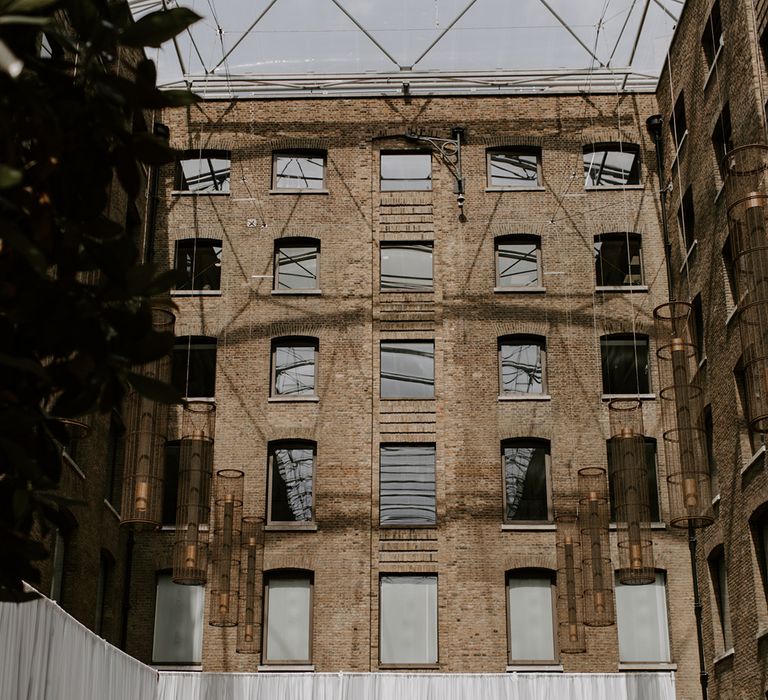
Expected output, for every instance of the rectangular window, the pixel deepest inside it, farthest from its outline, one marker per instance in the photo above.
(719, 574)
(709, 435)
(290, 483)
(406, 170)
(611, 165)
(641, 618)
(406, 267)
(686, 219)
(625, 368)
(407, 485)
(530, 618)
(712, 39)
(696, 324)
(194, 366)
(296, 265)
(303, 170)
(521, 365)
(677, 124)
(514, 168)
(178, 635)
(200, 261)
(293, 363)
(618, 260)
(288, 627)
(722, 140)
(526, 481)
(203, 171)
(518, 262)
(407, 369)
(652, 481)
(113, 484)
(408, 620)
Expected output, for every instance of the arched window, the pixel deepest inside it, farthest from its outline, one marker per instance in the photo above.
(611, 164)
(531, 620)
(518, 261)
(287, 617)
(526, 472)
(618, 260)
(291, 480)
(522, 365)
(297, 264)
(625, 364)
(294, 367)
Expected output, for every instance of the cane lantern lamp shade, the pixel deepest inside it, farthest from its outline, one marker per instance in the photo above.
(570, 601)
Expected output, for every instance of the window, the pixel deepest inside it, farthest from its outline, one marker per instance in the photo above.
(171, 481)
(531, 617)
(719, 575)
(406, 267)
(526, 480)
(114, 459)
(641, 618)
(677, 124)
(194, 366)
(729, 274)
(298, 170)
(407, 369)
(618, 260)
(406, 170)
(407, 485)
(291, 468)
(652, 481)
(686, 220)
(293, 366)
(712, 39)
(297, 264)
(522, 364)
(722, 141)
(408, 620)
(288, 613)
(611, 165)
(709, 436)
(696, 324)
(203, 171)
(200, 260)
(178, 635)
(624, 359)
(60, 546)
(518, 262)
(759, 526)
(751, 440)
(514, 168)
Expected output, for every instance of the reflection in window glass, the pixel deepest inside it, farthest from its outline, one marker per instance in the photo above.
(625, 364)
(406, 267)
(291, 483)
(407, 489)
(296, 266)
(200, 260)
(299, 171)
(294, 365)
(178, 622)
(194, 366)
(651, 481)
(525, 481)
(618, 260)
(517, 263)
(203, 171)
(641, 620)
(719, 575)
(408, 619)
(407, 170)
(531, 618)
(407, 370)
(513, 169)
(288, 625)
(611, 165)
(521, 366)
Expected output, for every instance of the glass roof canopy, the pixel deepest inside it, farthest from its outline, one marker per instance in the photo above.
(295, 48)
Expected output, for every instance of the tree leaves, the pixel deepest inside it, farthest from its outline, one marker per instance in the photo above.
(9, 177)
(158, 27)
(153, 389)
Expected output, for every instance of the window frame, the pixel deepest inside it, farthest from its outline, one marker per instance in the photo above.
(402, 152)
(513, 151)
(384, 245)
(628, 237)
(532, 573)
(406, 524)
(170, 496)
(607, 337)
(607, 147)
(271, 523)
(191, 589)
(287, 574)
(660, 574)
(521, 338)
(308, 154)
(758, 525)
(517, 238)
(400, 397)
(196, 342)
(535, 443)
(295, 242)
(192, 290)
(201, 154)
(718, 576)
(293, 341)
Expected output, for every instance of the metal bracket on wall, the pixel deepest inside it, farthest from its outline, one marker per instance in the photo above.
(449, 151)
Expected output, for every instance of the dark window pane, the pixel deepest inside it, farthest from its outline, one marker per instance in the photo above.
(525, 481)
(291, 494)
(204, 171)
(677, 123)
(407, 493)
(406, 171)
(611, 166)
(513, 169)
(517, 264)
(406, 267)
(722, 139)
(171, 481)
(303, 172)
(296, 267)
(625, 364)
(294, 370)
(200, 260)
(521, 367)
(194, 366)
(115, 454)
(713, 34)
(407, 370)
(686, 219)
(653, 488)
(618, 260)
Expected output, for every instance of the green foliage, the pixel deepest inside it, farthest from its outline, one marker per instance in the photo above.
(75, 297)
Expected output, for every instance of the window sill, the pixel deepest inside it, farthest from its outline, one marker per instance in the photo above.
(691, 252)
(406, 526)
(527, 188)
(295, 292)
(298, 190)
(198, 399)
(178, 667)
(407, 291)
(625, 288)
(535, 668)
(598, 188)
(727, 654)
(716, 499)
(653, 666)
(519, 290)
(286, 668)
(407, 398)
(732, 315)
(753, 460)
(291, 527)
(531, 527)
(188, 193)
(641, 397)
(761, 633)
(720, 190)
(654, 526)
(409, 667)
(524, 397)
(293, 399)
(195, 292)
(713, 66)
(112, 509)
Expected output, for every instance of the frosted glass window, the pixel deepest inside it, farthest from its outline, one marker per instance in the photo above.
(289, 619)
(407, 492)
(517, 262)
(178, 623)
(406, 170)
(406, 267)
(299, 171)
(641, 617)
(294, 368)
(531, 618)
(407, 370)
(203, 171)
(408, 620)
(296, 265)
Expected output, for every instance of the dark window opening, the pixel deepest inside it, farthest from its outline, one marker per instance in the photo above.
(625, 366)
(200, 261)
(618, 260)
(194, 366)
